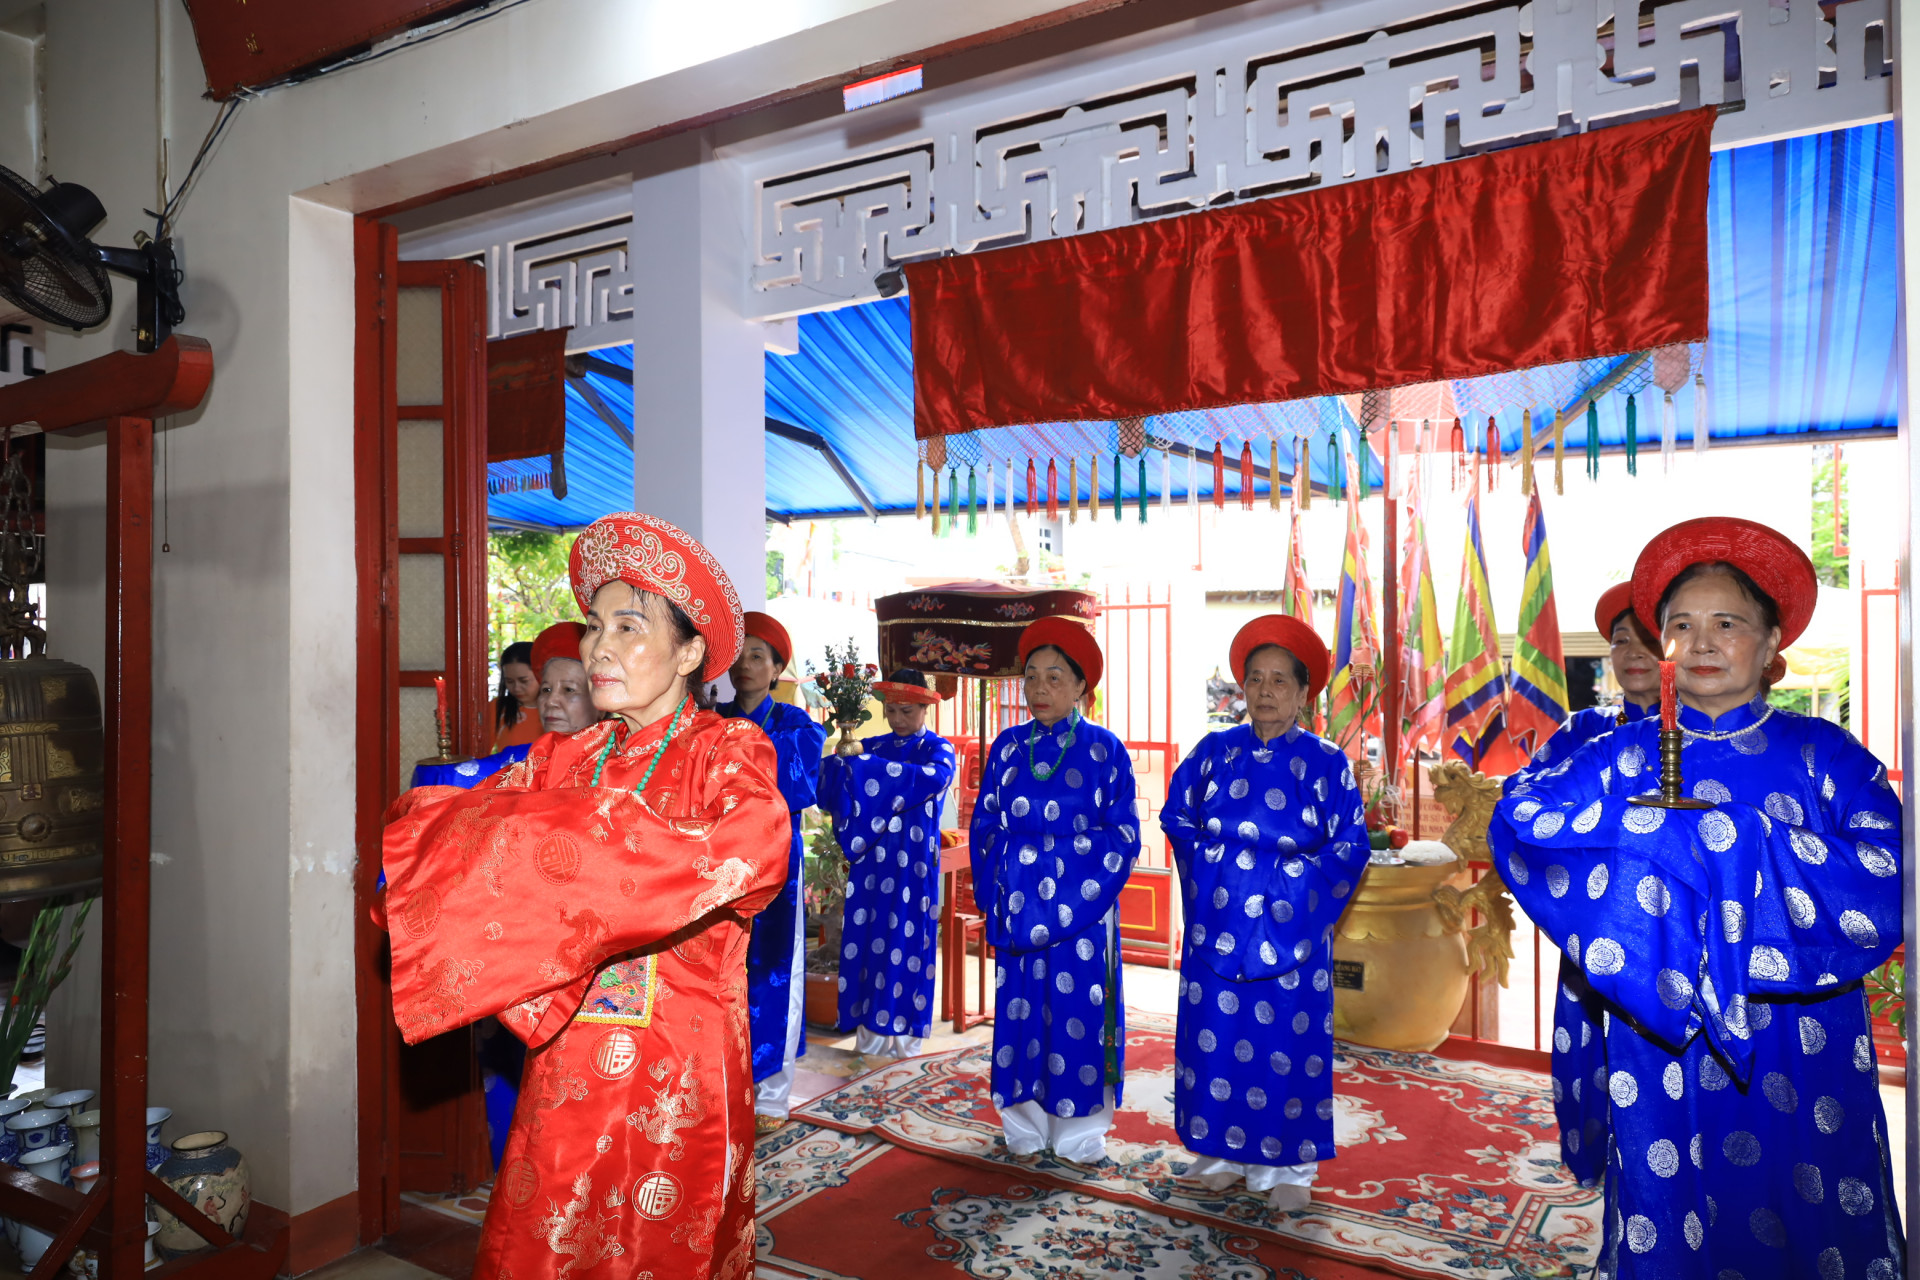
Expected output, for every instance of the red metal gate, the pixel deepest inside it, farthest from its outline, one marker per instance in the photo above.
(1136, 703)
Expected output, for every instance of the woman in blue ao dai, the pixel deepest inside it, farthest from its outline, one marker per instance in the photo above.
(1746, 1138)
(776, 958)
(1269, 831)
(1054, 837)
(1579, 1045)
(885, 803)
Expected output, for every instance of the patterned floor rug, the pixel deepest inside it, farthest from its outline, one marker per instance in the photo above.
(842, 1206)
(1448, 1168)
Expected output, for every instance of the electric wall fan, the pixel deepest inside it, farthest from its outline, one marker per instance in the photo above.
(50, 270)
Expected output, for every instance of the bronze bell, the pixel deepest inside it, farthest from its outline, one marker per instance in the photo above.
(52, 779)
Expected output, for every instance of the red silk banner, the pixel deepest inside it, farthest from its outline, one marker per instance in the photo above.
(1585, 246)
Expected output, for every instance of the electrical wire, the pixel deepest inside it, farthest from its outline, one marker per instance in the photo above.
(373, 55)
(163, 221)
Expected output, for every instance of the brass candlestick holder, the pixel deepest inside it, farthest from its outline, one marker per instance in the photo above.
(446, 755)
(1672, 792)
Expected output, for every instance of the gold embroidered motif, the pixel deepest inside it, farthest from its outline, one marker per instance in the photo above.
(444, 999)
(671, 1112)
(576, 1232)
(554, 1090)
(729, 878)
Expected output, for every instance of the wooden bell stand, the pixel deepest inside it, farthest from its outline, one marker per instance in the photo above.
(123, 393)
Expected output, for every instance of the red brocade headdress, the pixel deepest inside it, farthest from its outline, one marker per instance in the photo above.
(1776, 566)
(561, 640)
(765, 627)
(1069, 637)
(648, 553)
(906, 685)
(1291, 634)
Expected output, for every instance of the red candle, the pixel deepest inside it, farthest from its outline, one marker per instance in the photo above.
(440, 697)
(1669, 703)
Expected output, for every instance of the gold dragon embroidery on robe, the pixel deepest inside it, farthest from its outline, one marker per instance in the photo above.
(578, 1232)
(671, 1112)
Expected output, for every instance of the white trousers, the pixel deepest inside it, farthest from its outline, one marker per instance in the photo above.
(771, 1096)
(1082, 1139)
(873, 1044)
(1287, 1186)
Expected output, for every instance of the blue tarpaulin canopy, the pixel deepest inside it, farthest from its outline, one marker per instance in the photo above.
(1801, 345)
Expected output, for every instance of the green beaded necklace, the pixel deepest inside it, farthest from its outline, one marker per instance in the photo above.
(659, 749)
(1043, 772)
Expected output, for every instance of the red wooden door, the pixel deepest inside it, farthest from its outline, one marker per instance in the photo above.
(421, 450)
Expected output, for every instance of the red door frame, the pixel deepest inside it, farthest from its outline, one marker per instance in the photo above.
(379, 276)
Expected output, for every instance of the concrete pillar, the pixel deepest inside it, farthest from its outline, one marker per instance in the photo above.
(699, 366)
(1906, 105)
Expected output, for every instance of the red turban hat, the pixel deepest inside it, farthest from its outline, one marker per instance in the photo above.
(906, 685)
(1291, 634)
(561, 640)
(1776, 566)
(649, 554)
(764, 626)
(1071, 638)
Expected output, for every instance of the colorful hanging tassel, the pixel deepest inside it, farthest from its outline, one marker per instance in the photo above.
(919, 491)
(1633, 438)
(1166, 481)
(1119, 501)
(1459, 455)
(1335, 469)
(1593, 441)
(1193, 481)
(1143, 488)
(1526, 452)
(1669, 430)
(1219, 477)
(986, 523)
(936, 501)
(1073, 491)
(1303, 472)
(1357, 481)
(1273, 473)
(1093, 487)
(1246, 475)
(1700, 432)
(1559, 451)
(973, 505)
(953, 498)
(1033, 489)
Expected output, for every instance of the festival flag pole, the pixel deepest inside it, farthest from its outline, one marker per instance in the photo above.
(1424, 661)
(1476, 688)
(1356, 646)
(1538, 705)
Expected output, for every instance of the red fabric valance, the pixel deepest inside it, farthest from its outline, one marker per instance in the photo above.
(1587, 246)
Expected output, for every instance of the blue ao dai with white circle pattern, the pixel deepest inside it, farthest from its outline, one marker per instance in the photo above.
(1050, 856)
(885, 804)
(1270, 839)
(1579, 1059)
(1748, 1139)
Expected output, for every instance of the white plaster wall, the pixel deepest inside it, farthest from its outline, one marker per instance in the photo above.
(20, 96)
(252, 980)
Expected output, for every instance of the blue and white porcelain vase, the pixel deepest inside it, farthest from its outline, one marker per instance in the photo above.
(157, 1153)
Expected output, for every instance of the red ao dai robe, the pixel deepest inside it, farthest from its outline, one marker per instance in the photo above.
(609, 931)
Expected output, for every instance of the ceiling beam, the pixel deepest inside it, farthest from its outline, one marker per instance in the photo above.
(818, 443)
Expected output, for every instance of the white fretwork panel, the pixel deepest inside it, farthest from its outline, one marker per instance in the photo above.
(1290, 103)
(564, 265)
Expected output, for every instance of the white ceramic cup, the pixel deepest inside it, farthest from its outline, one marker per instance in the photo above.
(33, 1243)
(86, 1136)
(52, 1163)
(35, 1128)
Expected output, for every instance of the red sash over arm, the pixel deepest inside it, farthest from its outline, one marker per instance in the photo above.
(498, 897)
